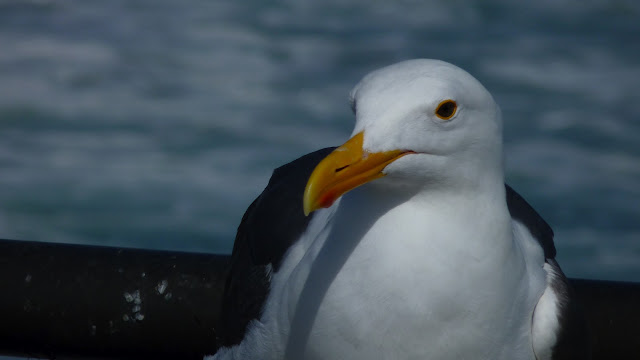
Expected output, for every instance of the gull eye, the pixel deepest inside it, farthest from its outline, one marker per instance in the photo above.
(446, 109)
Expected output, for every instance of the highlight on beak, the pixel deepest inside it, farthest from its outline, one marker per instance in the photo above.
(346, 168)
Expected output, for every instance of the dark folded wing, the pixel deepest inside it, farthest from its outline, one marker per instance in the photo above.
(271, 224)
(521, 210)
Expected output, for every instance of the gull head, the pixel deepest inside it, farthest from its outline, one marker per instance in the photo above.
(420, 124)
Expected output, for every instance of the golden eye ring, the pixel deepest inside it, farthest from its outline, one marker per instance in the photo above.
(446, 109)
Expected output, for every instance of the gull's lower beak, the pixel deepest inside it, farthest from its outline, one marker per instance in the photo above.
(346, 168)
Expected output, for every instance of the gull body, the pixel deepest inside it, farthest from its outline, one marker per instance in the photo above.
(431, 257)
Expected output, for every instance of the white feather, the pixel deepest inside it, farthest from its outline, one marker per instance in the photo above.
(546, 319)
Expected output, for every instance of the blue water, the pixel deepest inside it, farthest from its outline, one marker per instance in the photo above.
(155, 123)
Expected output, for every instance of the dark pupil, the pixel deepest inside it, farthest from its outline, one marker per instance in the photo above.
(446, 110)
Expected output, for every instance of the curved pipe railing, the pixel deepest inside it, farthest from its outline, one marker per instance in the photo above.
(65, 301)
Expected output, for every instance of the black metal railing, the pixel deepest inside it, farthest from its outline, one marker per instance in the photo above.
(61, 301)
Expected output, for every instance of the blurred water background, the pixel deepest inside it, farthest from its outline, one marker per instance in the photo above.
(155, 123)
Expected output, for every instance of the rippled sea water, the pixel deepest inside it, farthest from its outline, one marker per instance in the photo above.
(155, 123)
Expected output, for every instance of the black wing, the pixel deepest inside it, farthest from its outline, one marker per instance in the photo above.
(573, 337)
(271, 224)
(520, 210)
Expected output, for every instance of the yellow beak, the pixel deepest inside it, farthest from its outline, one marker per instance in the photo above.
(346, 168)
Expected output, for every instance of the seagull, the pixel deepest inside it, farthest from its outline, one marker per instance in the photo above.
(402, 243)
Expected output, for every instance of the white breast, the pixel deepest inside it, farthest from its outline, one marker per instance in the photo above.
(412, 280)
